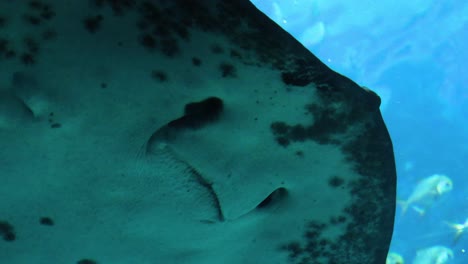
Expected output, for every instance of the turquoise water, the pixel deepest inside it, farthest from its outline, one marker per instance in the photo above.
(412, 53)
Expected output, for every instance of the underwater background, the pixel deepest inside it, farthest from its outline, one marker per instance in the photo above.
(413, 54)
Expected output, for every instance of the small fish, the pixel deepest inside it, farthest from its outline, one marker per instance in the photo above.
(394, 258)
(459, 229)
(426, 193)
(433, 255)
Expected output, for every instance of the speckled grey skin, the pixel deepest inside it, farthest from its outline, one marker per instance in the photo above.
(183, 132)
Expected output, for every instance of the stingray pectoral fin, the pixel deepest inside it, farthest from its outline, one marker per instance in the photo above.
(237, 118)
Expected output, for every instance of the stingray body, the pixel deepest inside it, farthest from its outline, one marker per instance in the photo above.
(183, 132)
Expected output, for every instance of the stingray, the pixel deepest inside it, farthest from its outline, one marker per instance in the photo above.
(183, 132)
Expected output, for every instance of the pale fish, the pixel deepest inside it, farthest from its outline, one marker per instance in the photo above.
(426, 192)
(459, 229)
(394, 258)
(433, 255)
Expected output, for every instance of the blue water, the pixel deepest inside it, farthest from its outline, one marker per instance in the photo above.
(413, 54)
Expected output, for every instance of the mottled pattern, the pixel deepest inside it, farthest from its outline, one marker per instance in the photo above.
(183, 132)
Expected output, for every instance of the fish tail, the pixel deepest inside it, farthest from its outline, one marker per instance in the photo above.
(419, 210)
(456, 238)
(459, 229)
(404, 206)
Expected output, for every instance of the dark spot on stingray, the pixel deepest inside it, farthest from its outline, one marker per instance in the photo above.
(279, 128)
(117, 6)
(151, 14)
(98, 3)
(216, 49)
(196, 61)
(324, 242)
(143, 25)
(196, 115)
(334, 247)
(298, 133)
(45, 10)
(10, 236)
(120, 6)
(327, 122)
(199, 114)
(103, 85)
(207, 221)
(47, 13)
(148, 41)
(181, 31)
(31, 45)
(56, 125)
(335, 181)
(336, 220)
(31, 19)
(210, 108)
(293, 78)
(35, 5)
(28, 59)
(235, 54)
(49, 34)
(46, 221)
(3, 21)
(93, 23)
(314, 246)
(7, 231)
(282, 141)
(312, 234)
(273, 198)
(10, 54)
(86, 261)
(4, 43)
(227, 70)
(159, 76)
(162, 31)
(294, 249)
(169, 47)
(299, 153)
